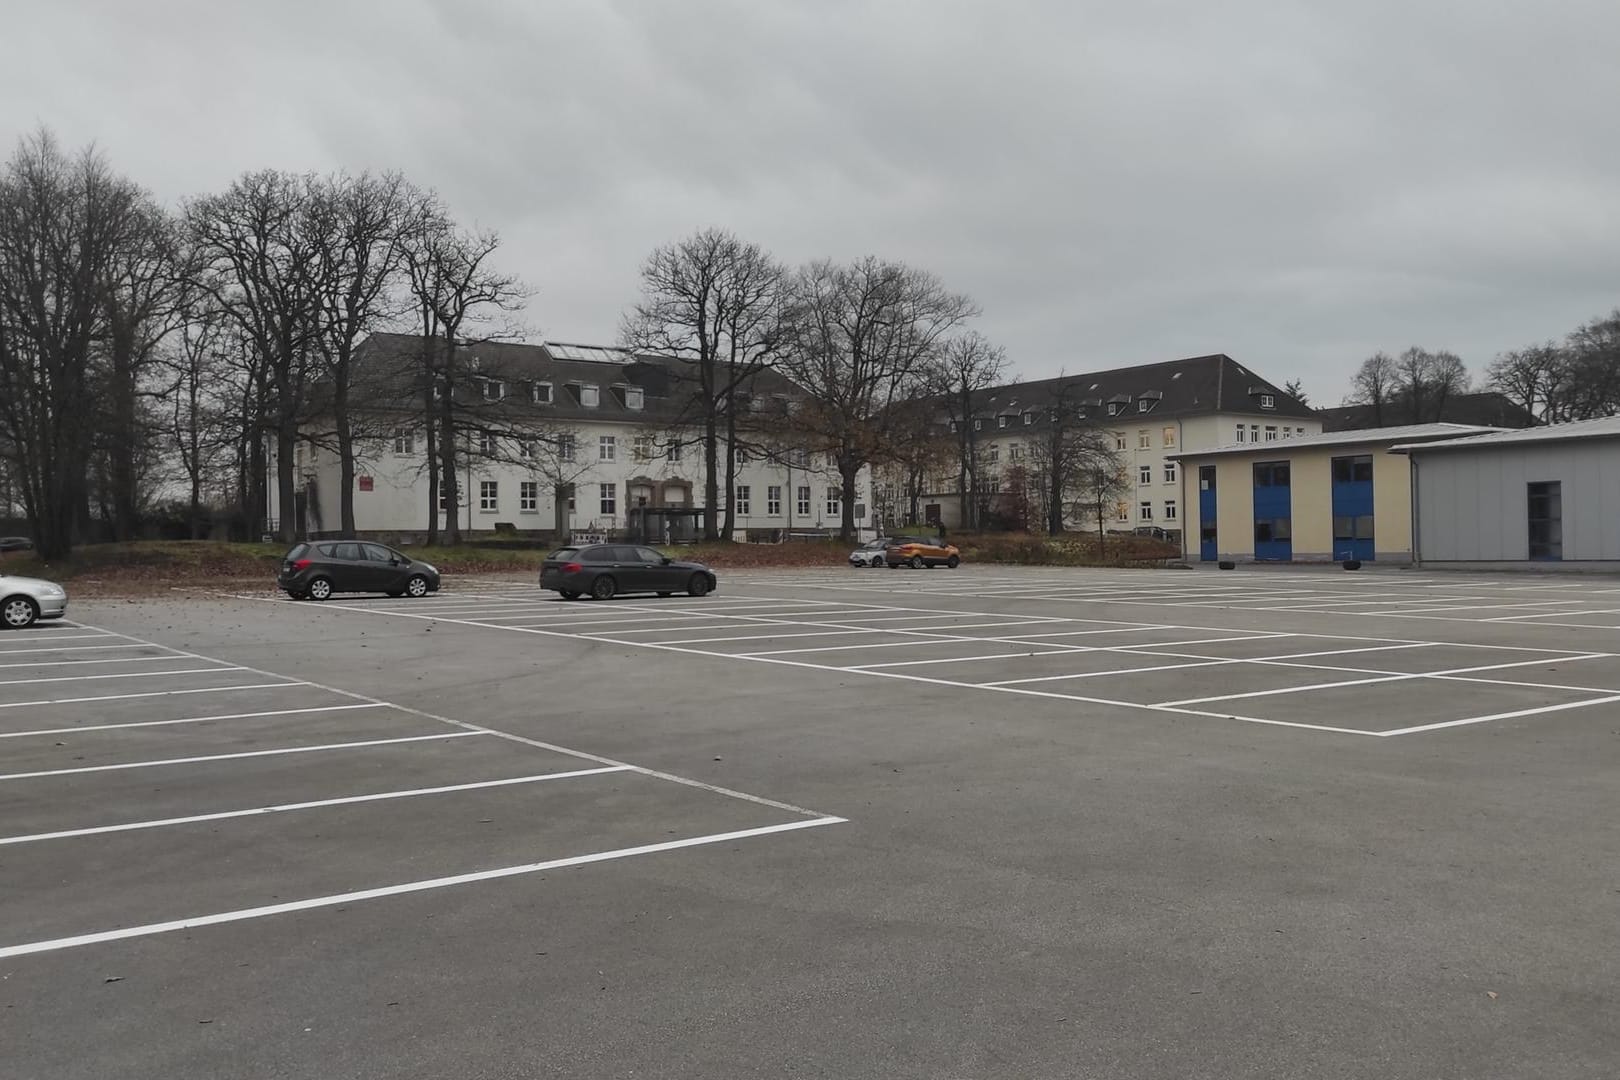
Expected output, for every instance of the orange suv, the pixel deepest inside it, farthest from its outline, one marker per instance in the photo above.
(917, 553)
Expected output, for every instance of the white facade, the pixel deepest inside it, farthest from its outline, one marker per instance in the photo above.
(1540, 496)
(1142, 440)
(614, 465)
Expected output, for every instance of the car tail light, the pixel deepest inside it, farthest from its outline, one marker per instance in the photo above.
(303, 564)
(573, 568)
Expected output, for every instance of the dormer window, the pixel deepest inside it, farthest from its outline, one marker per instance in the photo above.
(633, 397)
(1029, 418)
(540, 393)
(978, 425)
(1113, 408)
(1003, 421)
(1144, 405)
(494, 389)
(590, 396)
(1268, 401)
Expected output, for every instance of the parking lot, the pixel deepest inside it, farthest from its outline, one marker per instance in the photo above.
(983, 822)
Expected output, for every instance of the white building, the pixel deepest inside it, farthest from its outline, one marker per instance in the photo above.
(564, 440)
(1151, 411)
(1544, 495)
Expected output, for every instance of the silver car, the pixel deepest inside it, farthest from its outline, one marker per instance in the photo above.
(25, 600)
(869, 554)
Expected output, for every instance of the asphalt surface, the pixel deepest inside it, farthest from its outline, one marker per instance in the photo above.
(659, 857)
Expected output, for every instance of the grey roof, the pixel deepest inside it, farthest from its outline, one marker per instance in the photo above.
(1604, 427)
(391, 368)
(1406, 433)
(1489, 408)
(1188, 387)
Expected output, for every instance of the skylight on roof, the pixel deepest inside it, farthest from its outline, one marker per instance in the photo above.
(1175, 376)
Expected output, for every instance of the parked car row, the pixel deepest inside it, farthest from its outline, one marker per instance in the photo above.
(913, 551)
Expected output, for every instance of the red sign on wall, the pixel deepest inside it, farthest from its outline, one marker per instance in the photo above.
(365, 483)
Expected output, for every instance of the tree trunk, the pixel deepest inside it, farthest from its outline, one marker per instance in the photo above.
(432, 446)
(728, 531)
(846, 527)
(345, 441)
(711, 479)
(121, 443)
(448, 480)
(286, 480)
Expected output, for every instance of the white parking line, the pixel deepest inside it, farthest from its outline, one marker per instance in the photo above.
(71, 663)
(184, 720)
(71, 648)
(401, 889)
(152, 693)
(347, 800)
(239, 754)
(119, 675)
(1404, 676)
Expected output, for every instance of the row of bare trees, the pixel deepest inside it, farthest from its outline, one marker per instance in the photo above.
(140, 346)
(1411, 388)
(1575, 379)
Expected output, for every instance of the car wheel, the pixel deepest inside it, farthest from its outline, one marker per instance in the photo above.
(319, 589)
(953, 562)
(698, 586)
(917, 562)
(416, 587)
(19, 613)
(568, 594)
(603, 588)
(877, 562)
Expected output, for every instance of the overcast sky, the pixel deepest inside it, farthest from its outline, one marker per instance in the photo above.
(1295, 184)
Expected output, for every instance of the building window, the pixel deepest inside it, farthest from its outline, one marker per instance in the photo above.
(742, 500)
(674, 452)
(528, 496)
(540, 393)
(565, 448)
(444, 498)
(1268, 401)
(1271, 433)
(1271, 474)
(1299, 431)
(1169, 437)
(953, 425)
(1147, 511)
(1029, 418)
(1144, 440)
(526, 449)
(773, 501)
(634, 398)
(607, 448)
(799, 457)
(494, 390)
(610, 498)
(404, 441)
(1113, 408)
(978, 425)
(993, 483)
(1144, 474)
(1003, 421)
(590, 396)
(489, 499)
(1353, 470)
(1169, 472)
(1169, 509)
(1119, 441)
(992, 453)
(488, 445)
(835, 502)
(1015, 452)
(1242, 433)
(1144, 405)
(804, 502)
(1122, 512)
(1254, 432)
(642, 448)
(739, 455)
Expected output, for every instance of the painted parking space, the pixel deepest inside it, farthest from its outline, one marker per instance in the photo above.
(1339, 683)
(179, 791)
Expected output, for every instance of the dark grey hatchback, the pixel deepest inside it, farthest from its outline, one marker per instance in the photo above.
(602, 571)
(316, 571)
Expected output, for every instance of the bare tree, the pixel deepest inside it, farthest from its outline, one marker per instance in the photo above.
(364, 222)
(860, 333)
(1374, 385)
(61, 224)
(1530, 377)
(1590, 386)
(967, 366)
(714, 301)
(1073, 462)
(260, 251)
(461, 301)
(1424, 380)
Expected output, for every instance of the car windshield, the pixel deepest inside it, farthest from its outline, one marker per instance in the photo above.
(563, 553)
(876, 545)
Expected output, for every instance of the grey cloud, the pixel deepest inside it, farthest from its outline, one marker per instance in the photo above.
(1298, 185)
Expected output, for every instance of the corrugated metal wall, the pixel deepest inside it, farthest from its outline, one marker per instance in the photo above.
(1473, 505)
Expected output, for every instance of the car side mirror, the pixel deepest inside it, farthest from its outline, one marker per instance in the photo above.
(668, 560)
